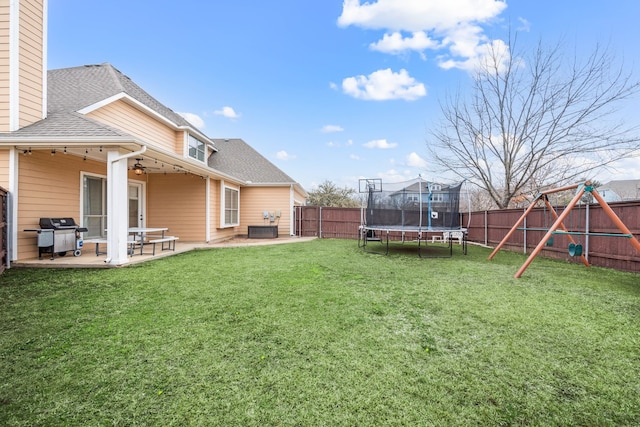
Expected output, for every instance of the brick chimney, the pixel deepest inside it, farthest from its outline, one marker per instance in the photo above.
(23, 63)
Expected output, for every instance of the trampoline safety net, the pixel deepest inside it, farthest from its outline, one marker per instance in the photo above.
(416, 204)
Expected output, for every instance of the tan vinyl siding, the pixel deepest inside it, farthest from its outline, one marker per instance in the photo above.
(255, 200)
(180, 142)
(177, 201)
(4, 66)
(31, 61)
(48, 186)
(298, 197)
(218, 233)
(4, 169)
(129, 119)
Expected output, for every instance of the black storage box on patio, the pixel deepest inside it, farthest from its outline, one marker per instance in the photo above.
(263, 232)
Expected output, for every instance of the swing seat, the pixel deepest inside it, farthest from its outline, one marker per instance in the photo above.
(549, 242)
(575, 249)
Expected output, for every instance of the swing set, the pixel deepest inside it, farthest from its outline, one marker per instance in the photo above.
(559, 228)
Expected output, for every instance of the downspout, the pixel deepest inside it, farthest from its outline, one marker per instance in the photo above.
(142, 150)
(132, 154)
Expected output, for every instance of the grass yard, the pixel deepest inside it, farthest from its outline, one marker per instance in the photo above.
(321, 334)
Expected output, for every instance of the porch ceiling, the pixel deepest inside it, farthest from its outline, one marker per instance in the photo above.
(153, 160)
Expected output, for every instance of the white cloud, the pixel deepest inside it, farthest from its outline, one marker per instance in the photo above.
(349, 142)
(380, 143)
(477, 55)
(411, 15)
(354, 157)
(396, 44)
(384, 85)
(414, 160)
(393, 175)
(194, 119)
(333, 144)
(283, 155)
(331, 129)
(227, 112)
(524, 25)
(628, 168)
(432, 24)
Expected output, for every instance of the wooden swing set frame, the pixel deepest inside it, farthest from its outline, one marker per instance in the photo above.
(558, 226)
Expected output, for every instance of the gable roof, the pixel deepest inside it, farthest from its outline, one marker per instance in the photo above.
(74, 91)
(70, 90)
(237, 158)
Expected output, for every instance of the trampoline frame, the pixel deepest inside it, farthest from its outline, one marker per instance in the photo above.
(364, 238)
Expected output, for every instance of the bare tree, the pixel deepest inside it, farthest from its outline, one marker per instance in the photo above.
(329, 194)
(536, 121)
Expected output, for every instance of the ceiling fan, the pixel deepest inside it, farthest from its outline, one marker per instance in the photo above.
(137, 168)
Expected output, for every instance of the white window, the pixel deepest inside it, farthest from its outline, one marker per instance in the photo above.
(231, 204)
(197, 148)
(94, 205)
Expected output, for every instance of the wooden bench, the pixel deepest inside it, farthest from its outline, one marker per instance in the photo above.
(162, 240)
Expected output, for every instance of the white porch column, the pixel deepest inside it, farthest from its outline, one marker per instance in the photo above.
(12, 231)
(117, 208)
(207, 209)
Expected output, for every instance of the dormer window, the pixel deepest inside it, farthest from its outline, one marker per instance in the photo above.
(197, 148)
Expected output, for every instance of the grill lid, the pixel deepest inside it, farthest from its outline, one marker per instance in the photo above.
(58, 223)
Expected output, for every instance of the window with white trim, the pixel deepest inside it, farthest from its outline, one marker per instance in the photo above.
(94, 205)
(197, 148)
(231, 207)
(437, 197)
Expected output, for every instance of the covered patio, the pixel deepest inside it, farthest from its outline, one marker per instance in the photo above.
(88, 259)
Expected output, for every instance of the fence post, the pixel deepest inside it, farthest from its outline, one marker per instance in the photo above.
(5, 246)
(586, 229)
(524, 225)
(486, 228)
(320, 222)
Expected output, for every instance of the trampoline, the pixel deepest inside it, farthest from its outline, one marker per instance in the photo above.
(417, 211)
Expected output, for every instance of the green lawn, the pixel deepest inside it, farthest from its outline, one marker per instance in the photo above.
(321, 333)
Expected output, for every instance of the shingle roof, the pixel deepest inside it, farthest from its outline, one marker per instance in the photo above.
(73, 89)
(627, 189)
(237, 158)
(67, 125)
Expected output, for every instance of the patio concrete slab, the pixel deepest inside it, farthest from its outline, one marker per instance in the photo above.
(88, 259)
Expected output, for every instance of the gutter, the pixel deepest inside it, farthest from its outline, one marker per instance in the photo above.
(132, 154)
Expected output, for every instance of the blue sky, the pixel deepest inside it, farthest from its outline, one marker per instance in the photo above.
(327, 89)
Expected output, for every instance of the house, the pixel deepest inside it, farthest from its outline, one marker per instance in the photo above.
(620, 190)
(425, 192)
(88, 143)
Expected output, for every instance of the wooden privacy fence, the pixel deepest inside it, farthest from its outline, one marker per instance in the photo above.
(324, 222)
(4, 228)
(489, 227)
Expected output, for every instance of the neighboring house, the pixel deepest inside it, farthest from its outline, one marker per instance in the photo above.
(620, 190)
(437, 194)
(88, 143)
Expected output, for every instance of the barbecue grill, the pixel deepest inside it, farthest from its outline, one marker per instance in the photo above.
(59, 236)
